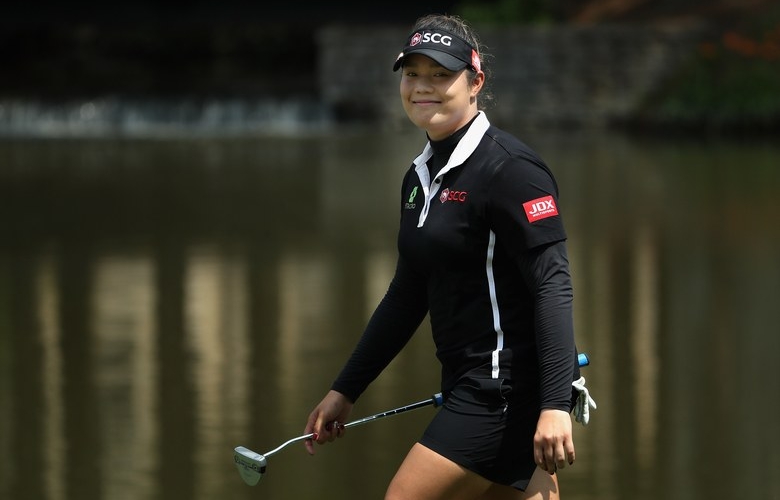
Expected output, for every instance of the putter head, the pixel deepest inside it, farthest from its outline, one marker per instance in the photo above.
(251, 465)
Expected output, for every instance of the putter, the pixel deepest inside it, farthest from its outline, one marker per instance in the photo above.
(252, 465)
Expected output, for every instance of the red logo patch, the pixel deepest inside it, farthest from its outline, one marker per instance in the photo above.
(540, 208)
(447, 195)
(475, 63)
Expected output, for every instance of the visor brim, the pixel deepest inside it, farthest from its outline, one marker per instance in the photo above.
(447, 61)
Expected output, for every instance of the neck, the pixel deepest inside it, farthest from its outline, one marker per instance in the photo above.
(459, 131)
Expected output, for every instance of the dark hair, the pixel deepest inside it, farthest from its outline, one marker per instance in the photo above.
(459, 26)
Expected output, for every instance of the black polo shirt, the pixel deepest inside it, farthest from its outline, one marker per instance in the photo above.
(481, 250)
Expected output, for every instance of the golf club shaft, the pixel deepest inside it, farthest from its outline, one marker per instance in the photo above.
(435, 400)
(291, 441)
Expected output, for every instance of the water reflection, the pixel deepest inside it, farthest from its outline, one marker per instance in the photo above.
(164, 301)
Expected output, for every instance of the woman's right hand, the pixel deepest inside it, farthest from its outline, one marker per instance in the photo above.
(326, 421)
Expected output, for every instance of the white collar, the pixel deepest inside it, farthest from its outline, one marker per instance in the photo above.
(462, 151)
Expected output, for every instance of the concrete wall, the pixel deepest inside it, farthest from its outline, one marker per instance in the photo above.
(562, 75)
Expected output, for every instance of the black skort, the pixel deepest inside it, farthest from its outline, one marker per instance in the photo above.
(488, 427)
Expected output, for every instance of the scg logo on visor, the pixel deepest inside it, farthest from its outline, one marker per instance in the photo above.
(431, 38)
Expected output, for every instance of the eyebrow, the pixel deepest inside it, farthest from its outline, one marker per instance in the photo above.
(427, 64)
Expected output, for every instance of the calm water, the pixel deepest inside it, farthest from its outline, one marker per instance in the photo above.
(163, 301)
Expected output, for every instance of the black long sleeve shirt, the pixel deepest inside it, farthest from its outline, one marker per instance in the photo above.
(482, 250)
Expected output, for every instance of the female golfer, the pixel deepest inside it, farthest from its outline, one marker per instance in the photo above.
(482, 250)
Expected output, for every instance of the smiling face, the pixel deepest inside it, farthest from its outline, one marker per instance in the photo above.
(436, 99)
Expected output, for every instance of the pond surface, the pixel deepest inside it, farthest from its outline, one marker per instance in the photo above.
(163, 301)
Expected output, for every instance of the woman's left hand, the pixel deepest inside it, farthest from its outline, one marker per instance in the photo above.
(553, 442)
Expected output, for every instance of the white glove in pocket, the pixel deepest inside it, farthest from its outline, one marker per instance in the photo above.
(584, 402)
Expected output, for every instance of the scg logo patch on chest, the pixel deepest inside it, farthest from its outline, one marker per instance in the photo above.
(449, 195)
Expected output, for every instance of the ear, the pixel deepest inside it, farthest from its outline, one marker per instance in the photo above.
(477, 82)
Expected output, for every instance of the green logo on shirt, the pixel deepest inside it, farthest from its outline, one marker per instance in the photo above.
(409, 205)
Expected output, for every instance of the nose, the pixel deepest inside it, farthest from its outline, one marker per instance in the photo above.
(423, 86)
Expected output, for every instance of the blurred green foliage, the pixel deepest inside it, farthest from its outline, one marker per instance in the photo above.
(731, 83)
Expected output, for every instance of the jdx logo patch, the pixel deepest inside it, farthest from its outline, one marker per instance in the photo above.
(540, 208)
